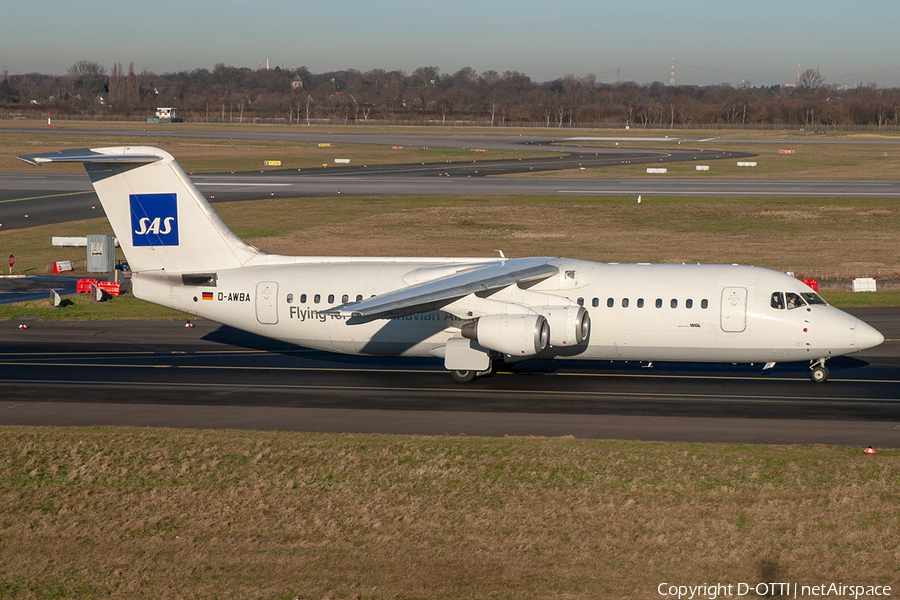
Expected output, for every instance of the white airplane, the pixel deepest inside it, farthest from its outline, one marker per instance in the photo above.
(472, 313)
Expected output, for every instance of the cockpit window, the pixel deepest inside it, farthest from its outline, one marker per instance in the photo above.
(813, 298)
(794, 300)
(777, 300)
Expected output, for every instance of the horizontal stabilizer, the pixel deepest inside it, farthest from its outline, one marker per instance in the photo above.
(84, 155)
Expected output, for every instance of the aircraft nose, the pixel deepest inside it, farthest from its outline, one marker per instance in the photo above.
(867, 336)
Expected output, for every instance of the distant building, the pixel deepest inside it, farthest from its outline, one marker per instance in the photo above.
(296, 82)
(163, 115)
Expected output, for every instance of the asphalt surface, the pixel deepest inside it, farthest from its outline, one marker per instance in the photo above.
(18, 289)
(163, 374)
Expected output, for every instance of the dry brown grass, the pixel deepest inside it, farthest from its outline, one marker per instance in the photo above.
(125, 513)
(769, 232)
(763, 232)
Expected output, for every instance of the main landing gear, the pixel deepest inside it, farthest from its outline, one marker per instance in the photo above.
(463, 376)
(818, 372)
(469, 376)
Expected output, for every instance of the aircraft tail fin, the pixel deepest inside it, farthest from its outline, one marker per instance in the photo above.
(162, 221)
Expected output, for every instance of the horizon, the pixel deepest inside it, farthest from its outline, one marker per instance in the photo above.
(760, 44)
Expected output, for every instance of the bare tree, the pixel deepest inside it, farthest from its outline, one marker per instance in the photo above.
(809, 83)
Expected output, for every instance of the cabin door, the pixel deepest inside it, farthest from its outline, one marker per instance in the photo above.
(734, 309)
(266, 302)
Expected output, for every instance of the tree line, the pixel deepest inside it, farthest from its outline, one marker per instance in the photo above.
(237, 94)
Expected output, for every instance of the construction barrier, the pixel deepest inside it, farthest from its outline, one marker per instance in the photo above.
(110, 287)
(84, 286)
(62, 266)
(863, 284)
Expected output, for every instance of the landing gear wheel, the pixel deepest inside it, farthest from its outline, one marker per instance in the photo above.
(463, 376)
(819, 374)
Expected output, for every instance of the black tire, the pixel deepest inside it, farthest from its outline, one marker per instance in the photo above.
(464, 376)
(819, 374)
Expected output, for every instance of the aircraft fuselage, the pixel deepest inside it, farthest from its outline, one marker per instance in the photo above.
(686, 313)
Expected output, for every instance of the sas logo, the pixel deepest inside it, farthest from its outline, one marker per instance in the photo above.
(154, 220)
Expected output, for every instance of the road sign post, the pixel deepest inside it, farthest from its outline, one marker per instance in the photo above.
(11, 261)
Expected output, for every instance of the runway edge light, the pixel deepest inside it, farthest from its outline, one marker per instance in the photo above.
(869, 450)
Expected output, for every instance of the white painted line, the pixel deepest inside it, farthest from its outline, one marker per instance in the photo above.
(234, 184)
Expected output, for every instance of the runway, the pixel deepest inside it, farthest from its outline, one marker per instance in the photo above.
(162, 374)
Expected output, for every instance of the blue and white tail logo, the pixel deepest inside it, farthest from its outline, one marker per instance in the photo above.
(154, 219)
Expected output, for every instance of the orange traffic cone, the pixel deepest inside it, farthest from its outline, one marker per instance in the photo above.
(188, 325)
(869, 450)
(22, 325)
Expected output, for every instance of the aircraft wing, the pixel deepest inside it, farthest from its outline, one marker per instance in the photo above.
(432, 295)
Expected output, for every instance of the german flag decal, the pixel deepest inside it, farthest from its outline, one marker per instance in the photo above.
(207, 295)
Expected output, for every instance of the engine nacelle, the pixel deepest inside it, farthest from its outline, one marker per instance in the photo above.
(569, 325)
(517, 335)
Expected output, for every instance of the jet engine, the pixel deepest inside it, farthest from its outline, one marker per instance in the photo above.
(517, 335)
(569, 325)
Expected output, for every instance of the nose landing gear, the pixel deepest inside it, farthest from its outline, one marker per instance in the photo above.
(818, 372)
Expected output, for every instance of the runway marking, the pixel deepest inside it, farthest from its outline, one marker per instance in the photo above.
(416, 370)
(854, 401)
(44, 197)
(236, 184)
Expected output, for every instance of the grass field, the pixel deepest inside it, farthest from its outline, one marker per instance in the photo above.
(137, 513)
(846, 236)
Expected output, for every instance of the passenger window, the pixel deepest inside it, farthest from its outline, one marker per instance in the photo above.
(595, 302)
(345, 298)
(359, 297)
(704, 304)
(581, 302)
(794, 300)
(689, 303)
(659, 303)
(290, 298)
(330, 298)
(624, 302)
(610, 302)
(777, 300)
(317, 298)
(302, 298)
(673, 303)
(640, 303)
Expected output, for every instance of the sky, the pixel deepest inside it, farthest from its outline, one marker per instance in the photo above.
(761, 42)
